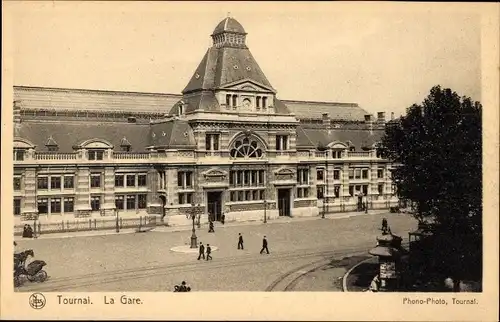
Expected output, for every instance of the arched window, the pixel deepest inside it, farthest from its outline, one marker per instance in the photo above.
(246, 148)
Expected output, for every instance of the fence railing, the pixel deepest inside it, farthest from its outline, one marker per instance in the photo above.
(65, 226)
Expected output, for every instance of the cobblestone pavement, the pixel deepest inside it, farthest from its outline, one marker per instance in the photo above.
(144, 262)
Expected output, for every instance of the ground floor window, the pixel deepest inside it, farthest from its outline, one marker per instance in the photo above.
(95, 203)
(185, 198)
(142, 201)
(336, 191)
(119, 202)
(320, 192)
(55, 205)
(17, 206)
(69, 204)
(302, 192)
(247, 195)
(130, 201)
(43, 206)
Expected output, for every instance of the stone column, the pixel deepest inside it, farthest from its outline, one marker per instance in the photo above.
(109, 192)
(30, 208)
(82, 191)
(344, 190)
(153, 200)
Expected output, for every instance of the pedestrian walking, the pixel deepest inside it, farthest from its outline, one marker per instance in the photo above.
(223, 218)
(202, 251)
(264, 245)
(211, 227)
(384, 224)
(240, 241)
(209, 251)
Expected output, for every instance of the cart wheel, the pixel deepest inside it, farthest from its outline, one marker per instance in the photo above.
(31, 278)
(41, 276)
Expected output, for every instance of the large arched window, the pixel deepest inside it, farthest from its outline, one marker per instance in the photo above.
(246, 148)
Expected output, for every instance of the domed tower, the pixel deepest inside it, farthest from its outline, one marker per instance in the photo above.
(228, 79)
(229, 32)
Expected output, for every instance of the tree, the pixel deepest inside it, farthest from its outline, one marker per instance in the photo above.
(437, 150)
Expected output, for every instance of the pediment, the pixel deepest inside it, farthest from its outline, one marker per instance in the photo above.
(95, 144)
(284, 171)
(20, 143)
(337, 145)
(248, 85)
(214, 173)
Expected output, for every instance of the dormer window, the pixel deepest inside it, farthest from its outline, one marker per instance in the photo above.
(51, 145)
(96, 154)
(19, 154)
(125, 145)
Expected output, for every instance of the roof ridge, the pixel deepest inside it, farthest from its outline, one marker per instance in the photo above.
(321, 102)
(87, 90)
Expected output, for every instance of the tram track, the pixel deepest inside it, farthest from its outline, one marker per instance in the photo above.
(70, 283)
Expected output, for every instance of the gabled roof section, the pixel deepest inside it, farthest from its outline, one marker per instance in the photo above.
(361, 139)
(226, 65)
(335, 111)
(65, 99)
(172, 134)
(124, 142)
(51, 142)
(70, 134)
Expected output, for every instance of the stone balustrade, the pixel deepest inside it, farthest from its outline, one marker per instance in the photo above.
(127, 157)
(55, 156)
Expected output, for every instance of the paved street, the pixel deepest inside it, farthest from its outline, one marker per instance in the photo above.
(144, 262)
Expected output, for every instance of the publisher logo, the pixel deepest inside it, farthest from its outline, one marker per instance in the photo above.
(37, 301)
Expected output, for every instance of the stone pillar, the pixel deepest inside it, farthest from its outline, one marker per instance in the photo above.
(109, 192)
(30, 208)
(153, 200)
(82, 191)
(344, 190)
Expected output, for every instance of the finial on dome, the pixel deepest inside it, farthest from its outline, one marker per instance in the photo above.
(229, 14)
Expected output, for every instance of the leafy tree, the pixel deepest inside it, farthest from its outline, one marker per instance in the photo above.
(437, 150)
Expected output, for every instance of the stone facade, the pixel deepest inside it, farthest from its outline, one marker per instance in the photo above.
(231, 147)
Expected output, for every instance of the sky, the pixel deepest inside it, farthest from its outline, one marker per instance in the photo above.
(384, 58)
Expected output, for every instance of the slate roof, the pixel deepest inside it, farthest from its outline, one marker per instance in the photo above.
(175, 133)
(69, 134)
(229, 25)
(359, 138)
(225, 65)
(336, 111)
(93, 100)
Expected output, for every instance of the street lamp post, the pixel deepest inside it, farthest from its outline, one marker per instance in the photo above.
(323, 149)
(117, 222)
(194, 238)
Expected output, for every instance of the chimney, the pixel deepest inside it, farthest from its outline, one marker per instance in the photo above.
(326, 120)
(17, 112)
(392, 116)
(381, 117)
(369, 121)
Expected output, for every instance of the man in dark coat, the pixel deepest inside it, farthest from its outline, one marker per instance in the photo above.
(384, 224)
(202, 251)
(211, 227)
(209, 251)
(240, 241)
(264, 245)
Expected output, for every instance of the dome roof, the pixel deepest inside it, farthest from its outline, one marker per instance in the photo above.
(229, 25)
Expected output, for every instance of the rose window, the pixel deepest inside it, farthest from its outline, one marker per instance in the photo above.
(246, 149)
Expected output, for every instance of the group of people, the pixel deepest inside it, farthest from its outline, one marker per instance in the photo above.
(208, 249)
(182, 288)
(211, 220)
(27, 231)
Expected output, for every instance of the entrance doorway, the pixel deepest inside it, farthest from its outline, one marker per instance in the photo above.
(214, 204)
(284, 202)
